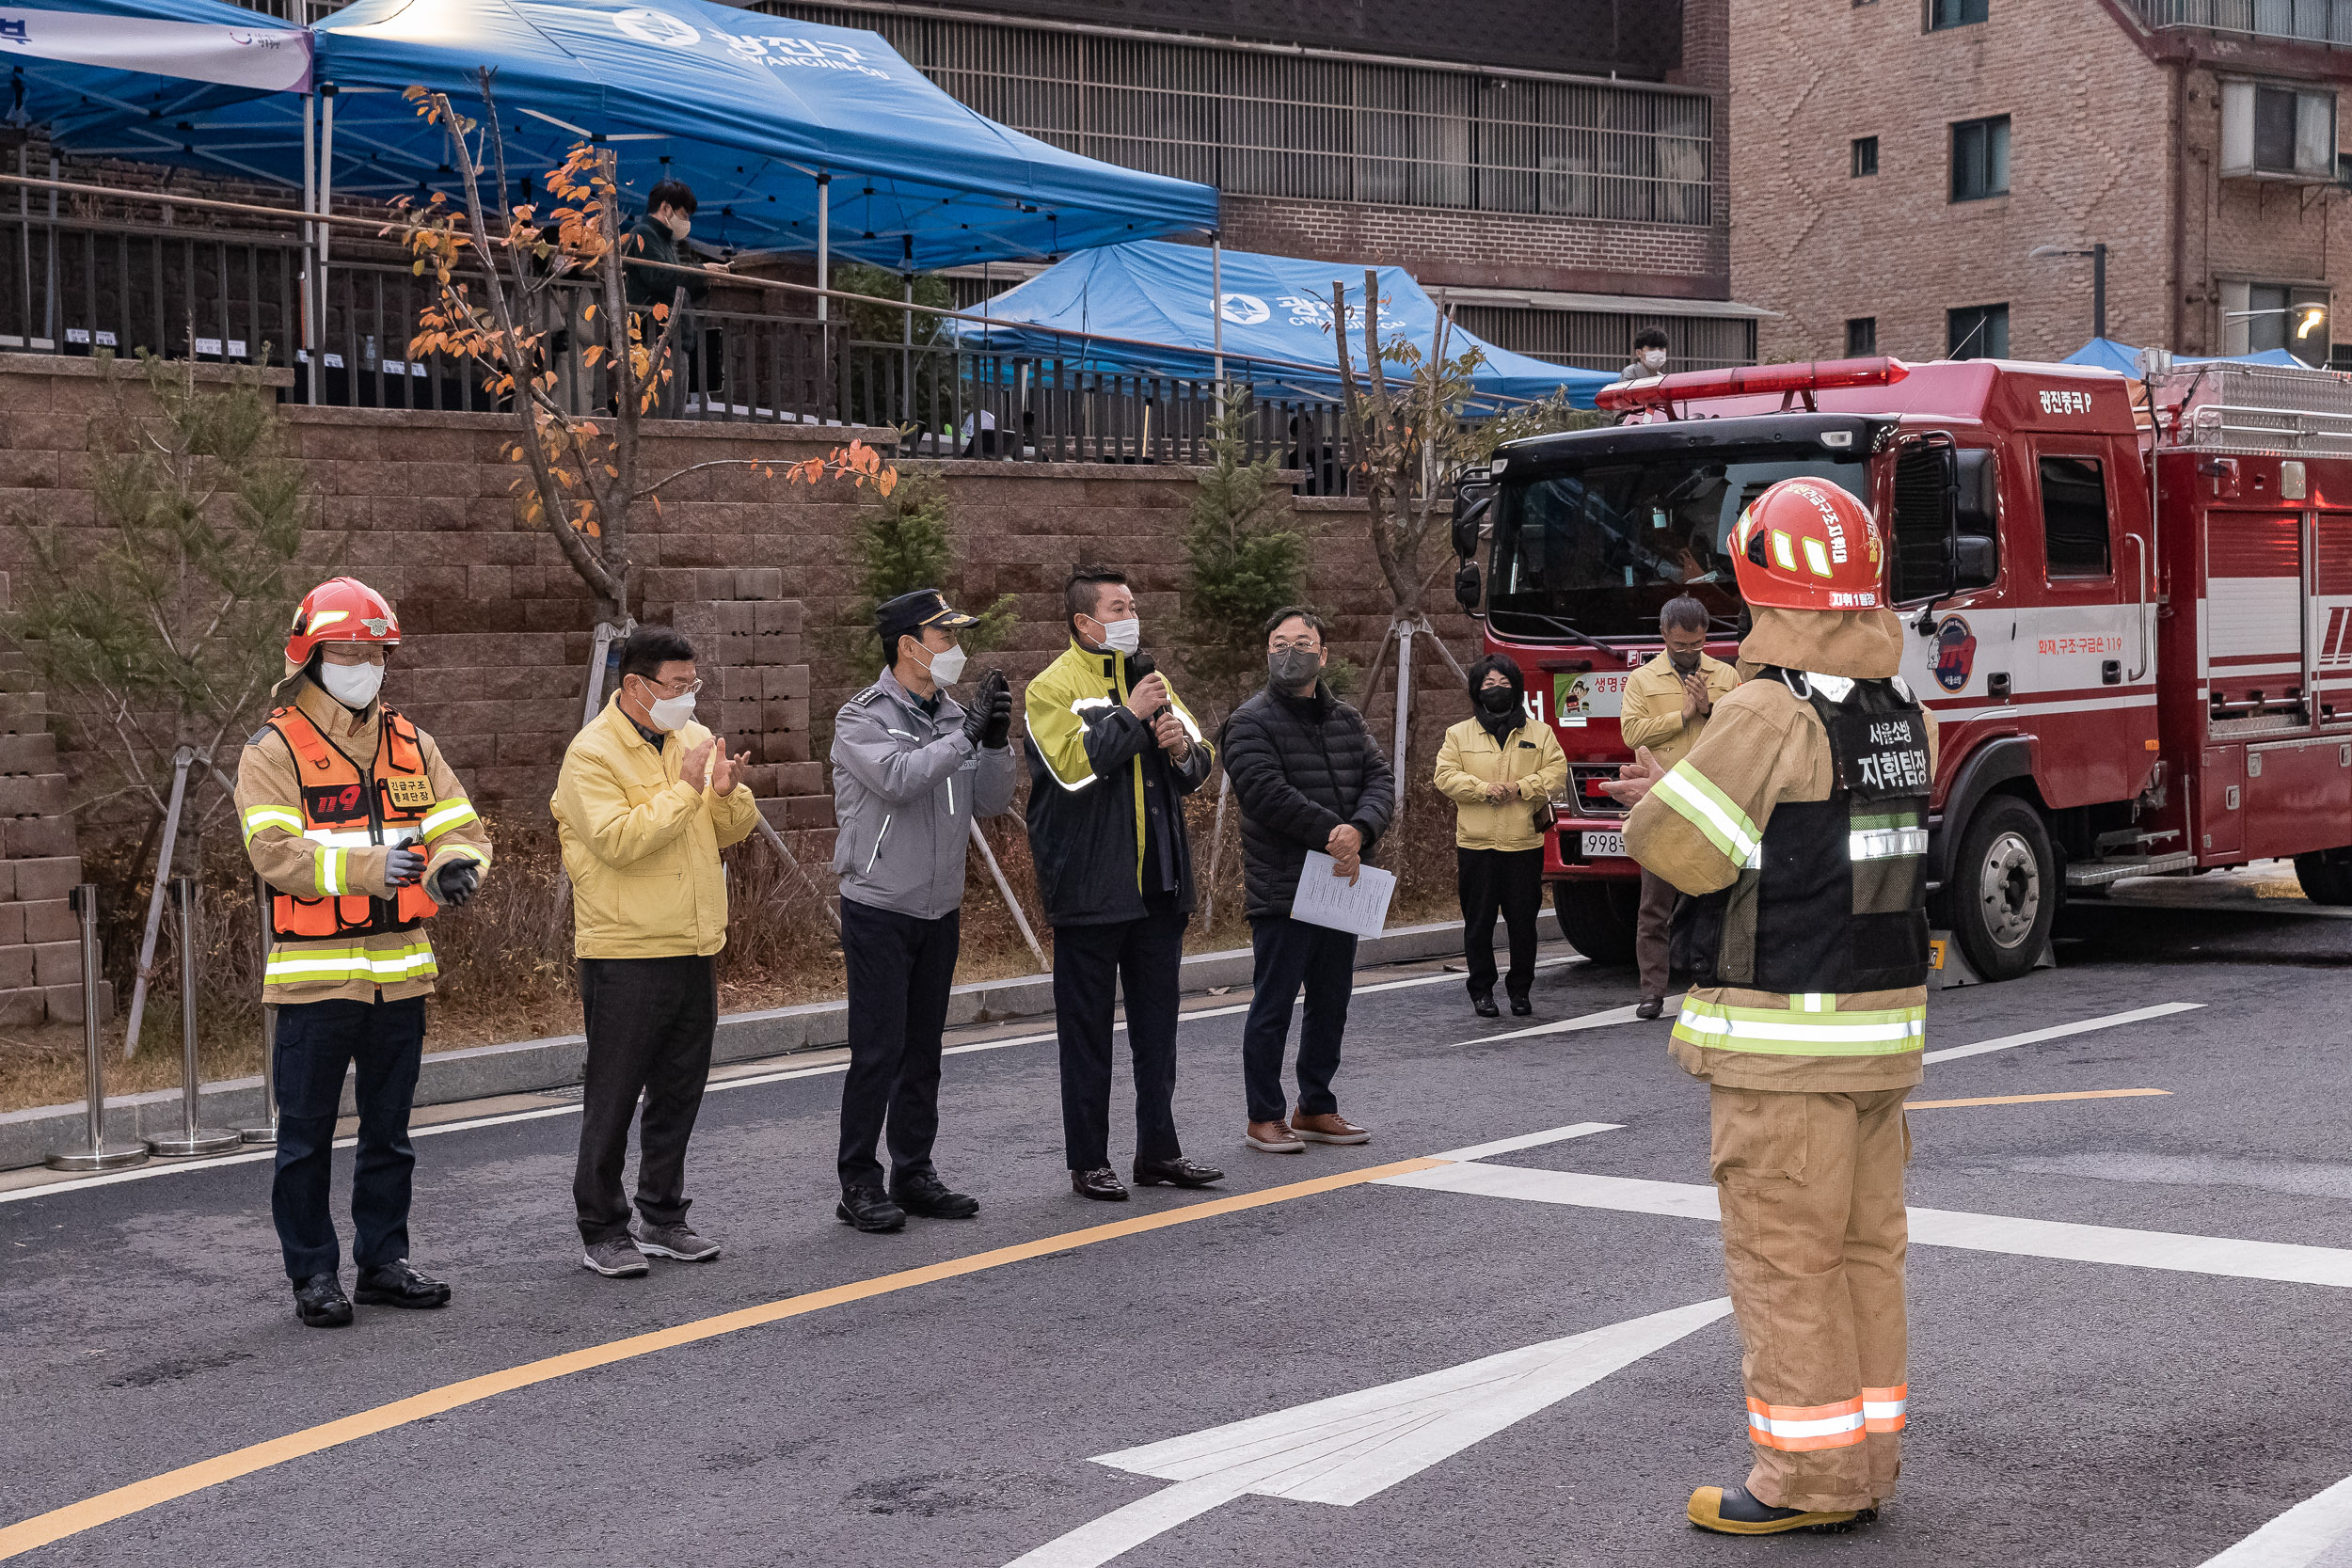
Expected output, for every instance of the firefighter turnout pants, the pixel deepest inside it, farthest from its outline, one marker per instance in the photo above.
(1811, 1188)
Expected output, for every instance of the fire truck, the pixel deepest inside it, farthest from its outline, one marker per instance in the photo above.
(2128, 600)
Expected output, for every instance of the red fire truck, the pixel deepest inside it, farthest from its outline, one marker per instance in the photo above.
(2129, 603)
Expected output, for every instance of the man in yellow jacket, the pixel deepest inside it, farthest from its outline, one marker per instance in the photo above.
(1501, 767)
(1667, 705)
(1797, 826)
(645, 801)
(363, 833)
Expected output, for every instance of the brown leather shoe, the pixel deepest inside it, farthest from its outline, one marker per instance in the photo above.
(1329, 1128)
(1273, 1137)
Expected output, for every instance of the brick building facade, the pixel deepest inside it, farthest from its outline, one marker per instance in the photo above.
(1897, 163)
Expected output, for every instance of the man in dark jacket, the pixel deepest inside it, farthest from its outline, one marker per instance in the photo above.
(1308, 776)
(656, 237)
(1112, 752)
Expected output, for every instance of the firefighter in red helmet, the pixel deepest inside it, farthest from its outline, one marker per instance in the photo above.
(364, 835)
(1797, 826)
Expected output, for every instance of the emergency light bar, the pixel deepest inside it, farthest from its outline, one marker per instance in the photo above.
(1818, 376)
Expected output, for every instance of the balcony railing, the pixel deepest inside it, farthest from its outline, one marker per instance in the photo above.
(2322, 22)
(75, 287)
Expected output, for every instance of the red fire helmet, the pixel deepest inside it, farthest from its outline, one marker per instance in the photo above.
(1806, 544)
(341, 609)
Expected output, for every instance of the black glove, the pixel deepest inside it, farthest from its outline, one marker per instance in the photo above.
(401, 867)
(454, 883)
(975, 713)
(997, 733)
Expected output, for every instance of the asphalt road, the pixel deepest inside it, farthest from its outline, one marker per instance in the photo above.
(2066, 1409)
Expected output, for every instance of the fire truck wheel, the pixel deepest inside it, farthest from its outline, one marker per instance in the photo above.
(1597, 918)
(2004, 892)
(2326, 876)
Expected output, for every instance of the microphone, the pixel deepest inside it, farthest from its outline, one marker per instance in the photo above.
(1141, 666)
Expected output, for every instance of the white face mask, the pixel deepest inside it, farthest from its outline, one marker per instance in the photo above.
(946, 668)
(668, 713)
(680, 228)
(1654, 358)
(1124, 637)
(355, 685)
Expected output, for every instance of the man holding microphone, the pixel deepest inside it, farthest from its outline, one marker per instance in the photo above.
(1112, 754)
(911, 768)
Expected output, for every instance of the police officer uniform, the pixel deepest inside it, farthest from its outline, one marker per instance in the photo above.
(1797, 827)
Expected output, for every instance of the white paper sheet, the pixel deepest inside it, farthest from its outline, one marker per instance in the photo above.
(1324, 900)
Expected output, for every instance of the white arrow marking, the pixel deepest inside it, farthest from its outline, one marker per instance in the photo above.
(2035, 1036)
(1569, 1025)
(2300, 1538)
(1344, 1450)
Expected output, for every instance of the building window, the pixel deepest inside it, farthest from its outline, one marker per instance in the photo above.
(2277, 132)
(1980, 158)
(1977, 332)
(2256, 317)
(1954, 13)
(2074, 516)
(1866, 156)
(1862, 337)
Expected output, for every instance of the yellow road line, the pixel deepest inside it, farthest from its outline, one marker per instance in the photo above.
(122, 1501)
(2032, 1099)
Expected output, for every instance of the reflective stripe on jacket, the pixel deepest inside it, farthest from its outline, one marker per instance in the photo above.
(642, 843)
(1699, 826)
(321, 862)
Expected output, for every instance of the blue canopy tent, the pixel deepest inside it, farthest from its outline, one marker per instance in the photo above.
(2107, 354)
(793, 135)
(1275, 324)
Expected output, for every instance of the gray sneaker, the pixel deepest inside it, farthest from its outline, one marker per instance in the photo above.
(680, 1240)
(616, 1259)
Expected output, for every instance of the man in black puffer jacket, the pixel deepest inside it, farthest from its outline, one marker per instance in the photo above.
(1308, 776)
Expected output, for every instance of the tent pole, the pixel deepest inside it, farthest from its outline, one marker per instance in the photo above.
(824, 239)
(326, 204)
(1216, 314)
(310, 246)
(906, 335)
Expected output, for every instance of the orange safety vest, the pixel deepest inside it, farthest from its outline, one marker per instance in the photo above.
(339, 810)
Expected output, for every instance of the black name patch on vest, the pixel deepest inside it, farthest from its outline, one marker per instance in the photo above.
(1882, 754)
(335, 802)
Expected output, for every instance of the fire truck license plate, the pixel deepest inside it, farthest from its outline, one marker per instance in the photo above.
(1599, 844)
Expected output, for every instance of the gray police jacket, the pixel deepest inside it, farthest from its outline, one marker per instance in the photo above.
(906, 785)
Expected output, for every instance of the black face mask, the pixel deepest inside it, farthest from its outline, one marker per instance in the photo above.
(1498, 700)
(1686, 664)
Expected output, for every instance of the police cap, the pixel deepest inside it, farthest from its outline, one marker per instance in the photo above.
(911, 613)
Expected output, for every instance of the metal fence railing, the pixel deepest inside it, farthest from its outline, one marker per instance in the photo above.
(2327, 22)
(74, 287)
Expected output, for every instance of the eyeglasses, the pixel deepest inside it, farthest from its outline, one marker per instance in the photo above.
(1290, 644)
(672, 690)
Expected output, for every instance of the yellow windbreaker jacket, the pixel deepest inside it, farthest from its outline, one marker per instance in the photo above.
(1529, 758)
(1652, 714)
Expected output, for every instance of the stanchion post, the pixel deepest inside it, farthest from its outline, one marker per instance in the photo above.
(194, 1138)
(265, 1131)
(93, 1152)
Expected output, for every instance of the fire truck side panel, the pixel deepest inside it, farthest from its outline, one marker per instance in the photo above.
(2291, 785)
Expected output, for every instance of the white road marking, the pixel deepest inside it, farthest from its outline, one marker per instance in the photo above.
(2035, 1036)
(146, 1172)
(2282, 1261)
(2300, 1538)
(1528, 1140)
(1569, 1025)
(1344, 1450)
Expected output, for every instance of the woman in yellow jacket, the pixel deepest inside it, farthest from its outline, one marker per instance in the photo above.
(1501, 767)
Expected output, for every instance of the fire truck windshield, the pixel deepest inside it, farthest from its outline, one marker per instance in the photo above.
(1600, 549)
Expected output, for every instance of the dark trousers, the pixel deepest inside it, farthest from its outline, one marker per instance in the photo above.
(1511, 881)
(1653, 934)
(316, 1043)
(900, 971)
(1290, 953)
(650, 1023)
(1142, 957)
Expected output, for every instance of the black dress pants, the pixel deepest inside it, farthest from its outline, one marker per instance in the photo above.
(1510, 881)
(1142, 956)
(316, 1043)
(650, 1023)
(1290, 953)
(900, 971)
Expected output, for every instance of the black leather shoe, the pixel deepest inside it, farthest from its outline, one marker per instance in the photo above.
(399, 1283)
(320, 1302)
(1178, 1172)
(870, 1208)
(1098, 1184)
(927, 1195)
(1484, 1003)
(1649, 1006)
(1521, 1007)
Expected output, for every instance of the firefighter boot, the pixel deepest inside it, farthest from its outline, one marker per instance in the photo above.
(1731, 1511)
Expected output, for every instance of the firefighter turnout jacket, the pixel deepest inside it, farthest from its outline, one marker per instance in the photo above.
(323, 797)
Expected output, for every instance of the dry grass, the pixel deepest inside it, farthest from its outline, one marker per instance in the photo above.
(506, 962)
